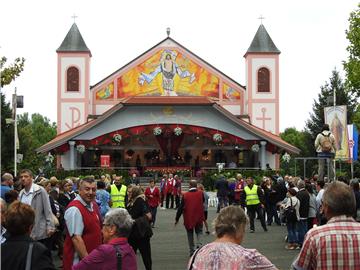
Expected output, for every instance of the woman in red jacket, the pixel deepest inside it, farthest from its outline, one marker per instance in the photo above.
(152, 195)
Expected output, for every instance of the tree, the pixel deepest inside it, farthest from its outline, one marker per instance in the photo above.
(11, 72)
(352, 65)
(34, 132)
(317, 118)
(316, 121)
(8, 74)
(300, 139)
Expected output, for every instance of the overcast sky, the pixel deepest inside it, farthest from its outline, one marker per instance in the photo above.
(309, 34)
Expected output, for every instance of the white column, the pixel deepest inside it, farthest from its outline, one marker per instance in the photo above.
(72, 155)
(263, 155)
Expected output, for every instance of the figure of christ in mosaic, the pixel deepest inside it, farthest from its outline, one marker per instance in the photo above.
(168, 68)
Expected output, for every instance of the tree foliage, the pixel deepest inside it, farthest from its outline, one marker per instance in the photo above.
(34, 132)
(7, 136)
(8, 74)
(317, 118)
(12, 71)
(352, 65)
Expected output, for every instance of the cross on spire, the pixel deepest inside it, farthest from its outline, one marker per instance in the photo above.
(261, 18)
(74, 17)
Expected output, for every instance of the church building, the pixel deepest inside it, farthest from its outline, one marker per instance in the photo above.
(167, 108)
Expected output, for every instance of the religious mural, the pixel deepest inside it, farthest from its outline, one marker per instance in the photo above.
(168, 73)
(230, 93)
(106, 93)
(336, 118)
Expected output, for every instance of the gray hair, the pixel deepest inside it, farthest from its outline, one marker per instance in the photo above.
(301, 184)
(231, 220)
(6, 176)
(340, 199)
(121, 219)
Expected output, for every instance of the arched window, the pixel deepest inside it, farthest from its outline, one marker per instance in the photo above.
(263, 80)
(72, 79)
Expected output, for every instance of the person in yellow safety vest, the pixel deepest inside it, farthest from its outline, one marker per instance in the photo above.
(254, 200)
(118, 193)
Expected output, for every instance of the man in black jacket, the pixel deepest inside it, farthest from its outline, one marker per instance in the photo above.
(222, 187)
(304, 199)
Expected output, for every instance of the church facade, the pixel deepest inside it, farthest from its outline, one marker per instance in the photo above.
(168, 107)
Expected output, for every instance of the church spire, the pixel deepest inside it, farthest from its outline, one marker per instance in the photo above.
(73, 41)
(262, 42)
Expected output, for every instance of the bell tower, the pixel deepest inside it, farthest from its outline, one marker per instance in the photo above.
(73, 81)
(262, 66)
(262, 80)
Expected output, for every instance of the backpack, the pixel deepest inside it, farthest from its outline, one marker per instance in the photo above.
(326, 144)
(290, 213)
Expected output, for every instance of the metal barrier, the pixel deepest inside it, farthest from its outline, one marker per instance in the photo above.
(304, 159)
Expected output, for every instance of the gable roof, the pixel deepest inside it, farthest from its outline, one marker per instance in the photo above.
(262, 42)
(177, 44)
(140, 101)
(73, 42)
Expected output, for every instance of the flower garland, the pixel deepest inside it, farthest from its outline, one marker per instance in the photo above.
(157, 131)
(117, 138)
(255, 148)
(178, 131)
(217, 137)
(80, 148)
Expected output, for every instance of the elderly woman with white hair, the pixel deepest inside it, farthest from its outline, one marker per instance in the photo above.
(115, 253)
(226, 251)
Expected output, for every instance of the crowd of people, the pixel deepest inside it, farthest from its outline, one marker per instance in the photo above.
(101, 223)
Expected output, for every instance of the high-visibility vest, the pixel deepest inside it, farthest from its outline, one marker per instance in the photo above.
(252, 197)
(118, 197)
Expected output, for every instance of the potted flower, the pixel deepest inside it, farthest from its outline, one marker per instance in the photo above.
(117, 138)
(178, 131)
(81, 148)
(255, 148)
(217, 137)
(157, 131)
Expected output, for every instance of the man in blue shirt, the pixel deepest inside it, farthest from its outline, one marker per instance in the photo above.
(7, 182)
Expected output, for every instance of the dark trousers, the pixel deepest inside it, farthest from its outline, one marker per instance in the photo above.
(153, 211)
(144, 246)
(302, 229)
(223, 201)
(177, 201)
(251, 210)
(169, 197)
(190, 236)
(271, 212)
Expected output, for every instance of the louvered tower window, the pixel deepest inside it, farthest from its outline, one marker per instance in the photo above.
(72, 79)
(263, 80)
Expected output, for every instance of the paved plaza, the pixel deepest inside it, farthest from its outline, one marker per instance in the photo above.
(170, 249)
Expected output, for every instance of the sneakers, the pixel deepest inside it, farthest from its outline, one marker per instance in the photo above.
(290, 246)
(265, 229)
(207, 232)
(252, 231)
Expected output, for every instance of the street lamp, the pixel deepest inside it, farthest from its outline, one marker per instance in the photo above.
(17, 102)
